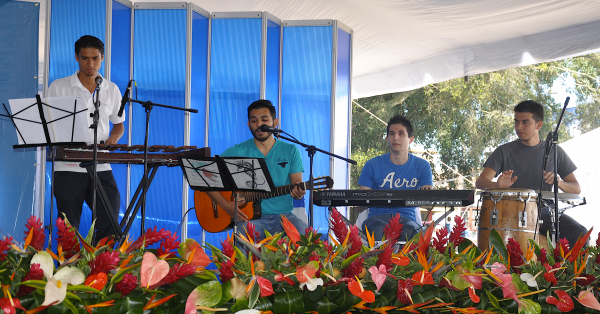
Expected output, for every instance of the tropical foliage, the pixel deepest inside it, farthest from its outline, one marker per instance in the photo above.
(294, 273)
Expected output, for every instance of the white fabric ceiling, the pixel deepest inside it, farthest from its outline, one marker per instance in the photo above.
(405, 44)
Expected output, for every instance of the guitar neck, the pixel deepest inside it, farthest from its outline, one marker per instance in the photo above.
(280, 190)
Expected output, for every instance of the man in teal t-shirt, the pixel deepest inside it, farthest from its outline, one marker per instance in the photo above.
(285, 166)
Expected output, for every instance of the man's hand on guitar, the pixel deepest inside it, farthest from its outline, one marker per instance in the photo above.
(298, 192)
(229, 207)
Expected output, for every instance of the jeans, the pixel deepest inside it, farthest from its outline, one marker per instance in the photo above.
(272, 223)
(377, 223)
(569, 228)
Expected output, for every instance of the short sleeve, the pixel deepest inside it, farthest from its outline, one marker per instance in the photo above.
(296, 161)
(114, 116)
(53, 91)
(366, 175)
(495, 161)
(566, 165)
(426, 175)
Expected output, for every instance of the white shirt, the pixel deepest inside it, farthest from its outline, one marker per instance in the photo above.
(110, 102)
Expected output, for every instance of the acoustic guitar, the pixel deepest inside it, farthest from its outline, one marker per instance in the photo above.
(213, 218)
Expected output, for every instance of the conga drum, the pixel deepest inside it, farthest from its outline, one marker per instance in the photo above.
(512, 212)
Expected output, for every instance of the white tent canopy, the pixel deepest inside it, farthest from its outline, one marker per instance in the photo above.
(405, 44)
(584, 151)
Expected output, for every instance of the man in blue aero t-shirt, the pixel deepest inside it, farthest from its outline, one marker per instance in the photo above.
(396, 170)
(285, 166)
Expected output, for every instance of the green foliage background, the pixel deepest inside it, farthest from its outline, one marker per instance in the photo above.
(463, 120)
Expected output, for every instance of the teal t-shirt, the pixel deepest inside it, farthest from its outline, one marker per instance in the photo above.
(282, 160)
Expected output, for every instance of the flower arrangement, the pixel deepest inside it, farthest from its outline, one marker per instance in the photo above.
(293, 273)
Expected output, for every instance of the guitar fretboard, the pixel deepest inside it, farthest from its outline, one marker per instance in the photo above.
(280, 190)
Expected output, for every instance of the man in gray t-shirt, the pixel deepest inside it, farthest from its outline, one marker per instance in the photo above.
(519, 165)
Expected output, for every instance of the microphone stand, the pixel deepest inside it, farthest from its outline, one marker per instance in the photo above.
(552, 142)
(311, 149)
(148, 106)
(96, 118)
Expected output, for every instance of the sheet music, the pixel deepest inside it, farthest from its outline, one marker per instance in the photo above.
(60, 130)
(247, 175)
(202, 173)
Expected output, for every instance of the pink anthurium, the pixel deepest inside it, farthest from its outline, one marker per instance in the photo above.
(152, 270)
(199, 259)
(304, 273)
(587, 299)
(508, 289)
(190, 304)
(378, 275)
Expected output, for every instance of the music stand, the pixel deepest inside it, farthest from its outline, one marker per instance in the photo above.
(52, 122)
(231, 174)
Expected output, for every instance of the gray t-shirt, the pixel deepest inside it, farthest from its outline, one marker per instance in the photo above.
(527, 162)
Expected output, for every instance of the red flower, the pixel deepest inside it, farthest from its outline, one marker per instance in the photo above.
(149, 238)
(34, 273)
(105, 262)
(355, 241)
(226, 272)
(564, 302)
(516, 254)
(543, 257)
(357, 289)
(37, 241)
(176, 272)
(252, 232)
(266, 287)
(441, 240)
(549, 276)
(167, 246)
(67, 238)
(127, 284)
(227, 247)
(457, 231)
(281, 277)
(423, 278)
(392, 232)
(405, 288)
(474, 297)
(96, 281)
(589, 279)
(5, 246)
(354, 269)
(339, 227)
(565, 247)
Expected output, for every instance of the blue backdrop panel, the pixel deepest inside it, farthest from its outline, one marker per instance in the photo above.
(18, 69)
(159, 70)
(234, 84)
(342, 107)
(119, 74)
(306, 96)
(71, 19)
(273, 61)
(198, 101)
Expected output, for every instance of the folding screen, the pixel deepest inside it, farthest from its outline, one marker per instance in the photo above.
(19, 68)
(69, 20)
(244, 67)
(315, 88)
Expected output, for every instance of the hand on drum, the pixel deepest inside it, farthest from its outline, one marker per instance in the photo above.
(505, 180)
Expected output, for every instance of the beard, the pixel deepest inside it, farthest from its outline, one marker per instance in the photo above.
(265, 136)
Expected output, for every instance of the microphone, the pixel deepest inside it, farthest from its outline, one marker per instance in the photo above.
(266, 128)
(125, 98)
(99, 80)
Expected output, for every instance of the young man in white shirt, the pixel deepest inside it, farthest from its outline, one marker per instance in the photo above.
(72, 184)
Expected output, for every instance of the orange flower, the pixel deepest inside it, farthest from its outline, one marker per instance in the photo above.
(357, 289)
(103, 304)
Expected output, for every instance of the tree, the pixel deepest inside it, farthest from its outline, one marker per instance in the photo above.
(463, 120)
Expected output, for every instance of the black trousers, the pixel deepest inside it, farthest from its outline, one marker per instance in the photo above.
(569, 228)
(72, 188)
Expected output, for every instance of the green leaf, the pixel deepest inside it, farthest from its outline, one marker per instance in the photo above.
(493, 299)
(38, 284)
(70, 306)
(209, 294)
(127, 304)
(341, 296)
(253, 295)
(519, 284)
(186, 285)
(324, 306)
(90, 234)
(528, 306)
(349, 260)
(84, 288)
(498, 243)
(119, 275)
(535, 246)
(71, 295)
(288, 302)
(458, 280)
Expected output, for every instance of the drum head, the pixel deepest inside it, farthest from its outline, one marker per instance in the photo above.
(509, 193)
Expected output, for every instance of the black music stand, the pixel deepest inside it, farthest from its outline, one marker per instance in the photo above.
(231, 174)
(57, 121)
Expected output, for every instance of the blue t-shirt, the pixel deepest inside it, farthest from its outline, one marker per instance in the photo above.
(380, 173)
(282, 160)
